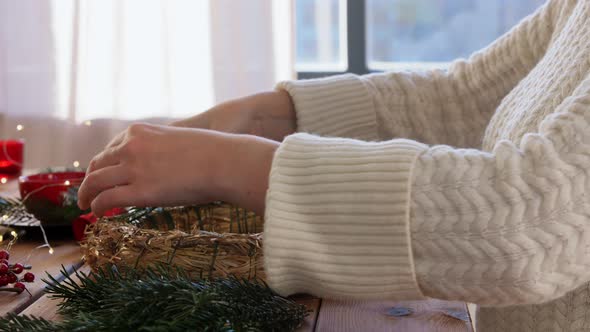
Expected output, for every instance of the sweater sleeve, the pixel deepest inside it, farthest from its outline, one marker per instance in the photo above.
(401, 220)
(435, 107)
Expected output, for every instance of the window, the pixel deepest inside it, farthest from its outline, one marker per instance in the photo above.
(320, 35)
(374, 35)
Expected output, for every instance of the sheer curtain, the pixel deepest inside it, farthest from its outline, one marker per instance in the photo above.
(75, 72)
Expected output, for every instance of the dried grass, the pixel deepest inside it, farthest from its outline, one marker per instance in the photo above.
(215, 240)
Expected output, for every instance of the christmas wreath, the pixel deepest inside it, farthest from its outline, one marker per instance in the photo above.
(164, 269)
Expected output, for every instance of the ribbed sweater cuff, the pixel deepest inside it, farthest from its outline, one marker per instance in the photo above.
(337, 106)
(336, 222)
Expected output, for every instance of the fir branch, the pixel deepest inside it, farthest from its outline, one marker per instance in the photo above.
(163, 299)
(15, 323)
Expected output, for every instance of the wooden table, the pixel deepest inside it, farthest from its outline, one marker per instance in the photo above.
(327, 315)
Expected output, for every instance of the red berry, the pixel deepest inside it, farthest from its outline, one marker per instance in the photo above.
(3, 268)
(17, 268)
(21, 286)
(29, 277)
(4, 254)
(4, 261)
(3, 280)
(12, 278)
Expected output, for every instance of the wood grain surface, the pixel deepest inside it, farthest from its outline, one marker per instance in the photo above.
(46, 307)
(66, 253)
(426, 316)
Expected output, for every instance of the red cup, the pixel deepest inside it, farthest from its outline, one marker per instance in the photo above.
(49, 186)
(11, 156)
(44, 194)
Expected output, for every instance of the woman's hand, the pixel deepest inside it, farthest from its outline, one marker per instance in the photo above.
(270, 115)
(149, 165)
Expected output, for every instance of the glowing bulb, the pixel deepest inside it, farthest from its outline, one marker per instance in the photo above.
(76, 163)
(88, 123)
(67, 183)
(19, 127)
(1, 238)
(3, 180)
(13, 233)
(51, 251)
(5, 217)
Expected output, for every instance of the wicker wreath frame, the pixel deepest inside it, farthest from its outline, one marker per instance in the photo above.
(208, 241)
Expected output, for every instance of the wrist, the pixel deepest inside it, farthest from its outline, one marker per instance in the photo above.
(273, 114)
(198, 121)
(244, 178)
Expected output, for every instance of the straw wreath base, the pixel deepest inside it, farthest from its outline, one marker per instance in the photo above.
(182, 238)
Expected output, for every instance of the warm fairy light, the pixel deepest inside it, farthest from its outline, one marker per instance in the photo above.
(88, 123)
(3, 180)
(13, 233)
(51, 251)
(19, 127)
(76, 163)
(67, 183)
(5, 217)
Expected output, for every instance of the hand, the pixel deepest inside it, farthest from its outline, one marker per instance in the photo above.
(151, 165)
(270, 115)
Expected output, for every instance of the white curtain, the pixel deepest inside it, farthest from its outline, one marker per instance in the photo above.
(75, 72)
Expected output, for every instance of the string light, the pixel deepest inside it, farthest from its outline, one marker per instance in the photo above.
(19, 127)
(88, 123)
(1, 237)
(5, 217)
(14, 234)
(76, 164)
(51, 251)
(67, 183)
(3, 180)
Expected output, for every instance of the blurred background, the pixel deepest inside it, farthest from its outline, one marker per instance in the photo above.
(75, 72)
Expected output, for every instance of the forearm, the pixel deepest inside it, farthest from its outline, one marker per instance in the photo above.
(268, 114)
(244, 173)
(273, 115)
(200, 120)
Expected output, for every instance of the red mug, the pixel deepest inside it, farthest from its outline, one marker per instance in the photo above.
(49, 186)
(11, 157)
(44, 194)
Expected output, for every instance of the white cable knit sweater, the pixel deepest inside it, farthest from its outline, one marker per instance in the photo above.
(492, 207)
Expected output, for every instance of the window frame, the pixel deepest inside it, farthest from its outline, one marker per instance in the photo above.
(356, 53)
(356, 49)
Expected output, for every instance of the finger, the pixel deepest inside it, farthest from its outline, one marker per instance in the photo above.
(116, 141)
(101, 180)
(116, 197)
(107, 157)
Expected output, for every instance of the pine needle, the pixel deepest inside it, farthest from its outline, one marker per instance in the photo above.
(161, 299)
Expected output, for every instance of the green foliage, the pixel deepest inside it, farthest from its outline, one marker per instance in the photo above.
(161, 299)
(16, 323)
